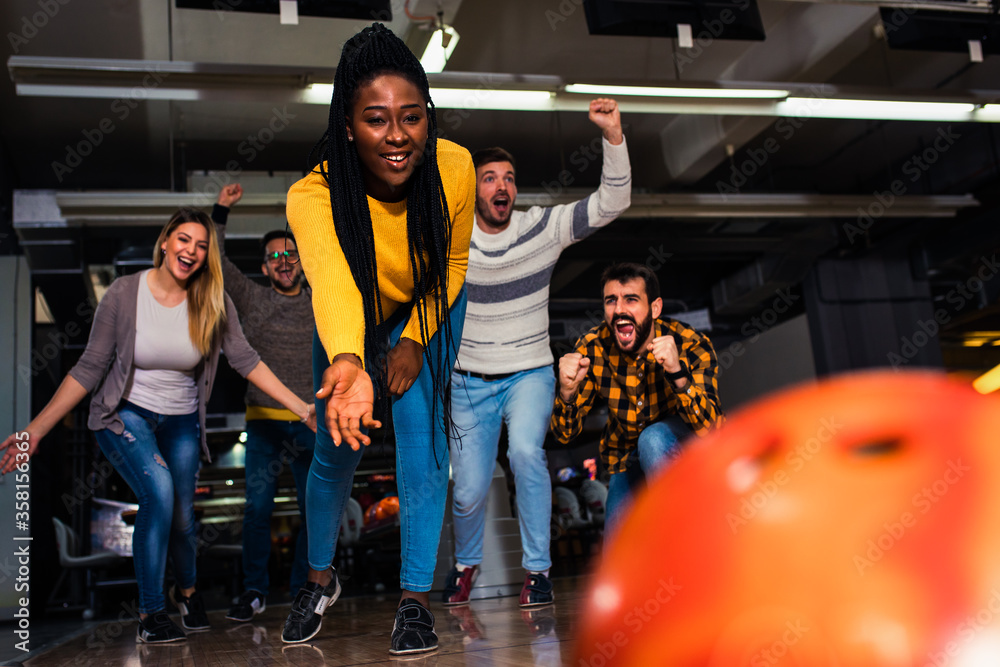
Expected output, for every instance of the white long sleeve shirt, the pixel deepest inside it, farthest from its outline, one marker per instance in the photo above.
(507, 321)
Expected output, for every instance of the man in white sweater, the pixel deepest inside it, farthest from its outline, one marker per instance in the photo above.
(505, 365)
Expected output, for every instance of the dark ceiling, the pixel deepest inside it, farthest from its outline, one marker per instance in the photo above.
(162, 146)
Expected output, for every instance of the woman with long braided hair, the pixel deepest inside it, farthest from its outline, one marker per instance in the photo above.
(383, 226)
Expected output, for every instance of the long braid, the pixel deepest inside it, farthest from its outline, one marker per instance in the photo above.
(373, 52)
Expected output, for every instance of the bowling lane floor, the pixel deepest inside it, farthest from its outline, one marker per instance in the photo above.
(355, 631)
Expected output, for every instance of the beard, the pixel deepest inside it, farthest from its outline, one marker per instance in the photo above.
(279, 284)
(484, 211)
(640, 332)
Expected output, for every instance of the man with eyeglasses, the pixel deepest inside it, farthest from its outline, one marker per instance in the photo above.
(278, 322)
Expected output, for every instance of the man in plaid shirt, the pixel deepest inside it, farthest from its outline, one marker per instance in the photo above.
(657, 375)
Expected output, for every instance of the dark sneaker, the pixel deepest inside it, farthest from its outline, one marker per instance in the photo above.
(458, 585)
(157, 628)
(249, 605)
(192, 609)
(306, 616)
(413, 631)
(537, 591)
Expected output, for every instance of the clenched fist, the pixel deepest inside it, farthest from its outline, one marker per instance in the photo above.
(664, 350)
(573, 368)
(604, 114)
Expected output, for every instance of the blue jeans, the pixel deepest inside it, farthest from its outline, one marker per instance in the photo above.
(421, 465)
(479, 408)
(158, 456)
(270, 443)
(658, 444)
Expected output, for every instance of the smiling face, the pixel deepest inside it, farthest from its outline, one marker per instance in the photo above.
(495, 194)
(388, 126)
(629, 313)
(285, 277)
(185, 250)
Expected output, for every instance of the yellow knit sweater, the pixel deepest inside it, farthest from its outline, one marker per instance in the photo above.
(336, 299)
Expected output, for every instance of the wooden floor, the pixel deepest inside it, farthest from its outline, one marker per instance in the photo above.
(494, 632)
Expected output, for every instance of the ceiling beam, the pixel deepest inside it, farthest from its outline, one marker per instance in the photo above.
(50, 208)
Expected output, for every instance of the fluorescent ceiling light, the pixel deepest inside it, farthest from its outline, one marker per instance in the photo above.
(439, 49)
(493, 98)
(989, 113)
(461, 98)
(819, 107)
(134, 93)
(988, 382)
(318, 93)
(646, 91)
(149, 80)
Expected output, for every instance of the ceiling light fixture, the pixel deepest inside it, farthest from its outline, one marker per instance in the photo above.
(493, 98)
(988, 382)
(439, 49)
(141, 80)
(461, 98)
(701, 93)
(819, 107)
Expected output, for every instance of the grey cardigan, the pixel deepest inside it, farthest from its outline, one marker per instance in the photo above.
(106, 366)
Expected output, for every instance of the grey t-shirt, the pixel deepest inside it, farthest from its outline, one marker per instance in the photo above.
(165, 357)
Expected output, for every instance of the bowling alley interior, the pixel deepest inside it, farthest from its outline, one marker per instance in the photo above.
(815, 184)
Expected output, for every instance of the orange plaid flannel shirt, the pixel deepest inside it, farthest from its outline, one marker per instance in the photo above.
(638, 392)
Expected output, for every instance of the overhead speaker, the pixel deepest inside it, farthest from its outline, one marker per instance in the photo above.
(366, 10)
(720, 19)
(940, 31)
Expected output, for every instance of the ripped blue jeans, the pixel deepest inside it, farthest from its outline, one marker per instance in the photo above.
(158, 456)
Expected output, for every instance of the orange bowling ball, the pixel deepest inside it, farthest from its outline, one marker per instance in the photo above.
(853, 522)
(384, 509)
(387, 507)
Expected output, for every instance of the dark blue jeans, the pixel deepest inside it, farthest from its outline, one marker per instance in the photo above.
(658, 444)
(270, 444)
(158, 456)
(421, 466)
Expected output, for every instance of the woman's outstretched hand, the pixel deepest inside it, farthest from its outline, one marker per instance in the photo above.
(17, 448)
(350, 399)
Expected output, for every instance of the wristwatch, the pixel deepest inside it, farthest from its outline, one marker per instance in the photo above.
(674, 377)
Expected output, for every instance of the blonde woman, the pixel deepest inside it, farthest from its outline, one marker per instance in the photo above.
(150, 363)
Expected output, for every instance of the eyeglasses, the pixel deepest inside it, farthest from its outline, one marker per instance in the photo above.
(290, 256)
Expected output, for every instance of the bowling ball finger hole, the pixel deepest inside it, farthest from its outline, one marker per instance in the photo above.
(878, 447)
